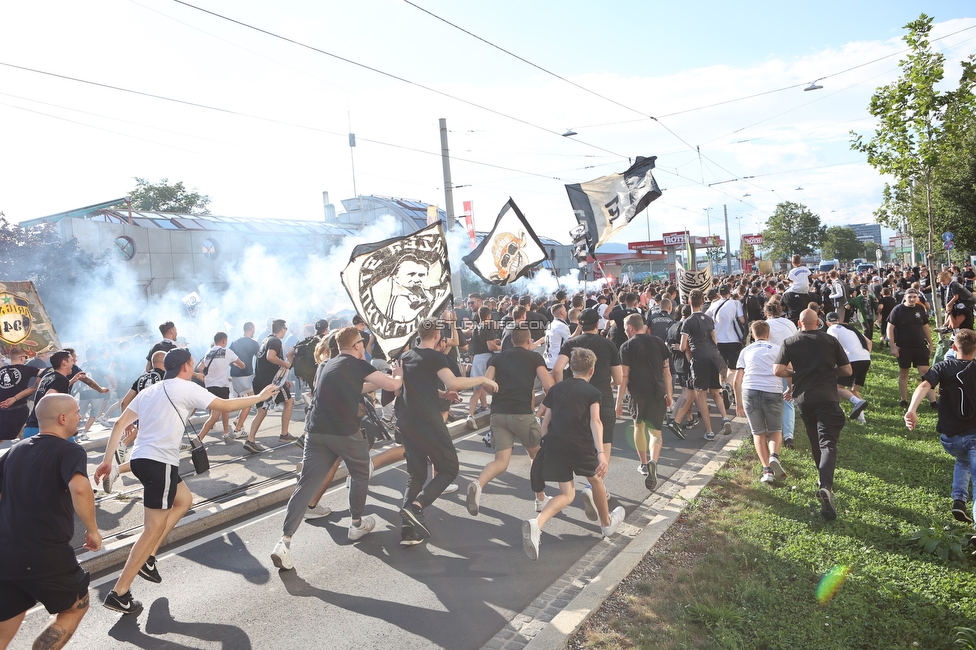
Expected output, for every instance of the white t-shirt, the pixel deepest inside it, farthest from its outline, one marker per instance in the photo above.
(724, 312)
(556, 334)
(757, 360)
(160, 425)
(602, 310)
(217, 362)
(780, 329)
(800, 277)
(849, 341)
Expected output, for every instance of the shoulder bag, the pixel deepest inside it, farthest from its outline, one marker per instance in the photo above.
(198, 453)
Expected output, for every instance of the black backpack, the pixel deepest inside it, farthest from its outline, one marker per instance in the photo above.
(372, 425)
(303, 363)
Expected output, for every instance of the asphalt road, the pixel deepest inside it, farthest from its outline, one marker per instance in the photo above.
(454, 591)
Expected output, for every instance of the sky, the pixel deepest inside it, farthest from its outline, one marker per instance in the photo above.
(388, 70)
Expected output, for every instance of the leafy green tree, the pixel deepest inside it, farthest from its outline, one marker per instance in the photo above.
(841, 243)
(791, 229)
(870, 251)
(954, 181)
(166, 197)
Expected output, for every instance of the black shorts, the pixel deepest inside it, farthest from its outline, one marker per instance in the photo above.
(12, 420)
(730, 352)
(649, 410)
(223, 392)
(918, 357)
(964, 310)
(58, 593)
(282, 396)
(159, 481)
(608, 416)
(858, 375)
(704, 373)
(559, 469)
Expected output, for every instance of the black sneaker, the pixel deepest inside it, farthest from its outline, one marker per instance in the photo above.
(149, 570)
(788, 443)
(409, 536)
(709, 435)
(903, 404)
(693, 422)
(959, 512)
(650, 481)
(414, 517)
(675, 428)
(827, 509)
(124, 603)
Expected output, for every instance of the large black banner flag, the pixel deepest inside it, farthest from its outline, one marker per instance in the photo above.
(396, 283)
(607, 204)
(509, 251)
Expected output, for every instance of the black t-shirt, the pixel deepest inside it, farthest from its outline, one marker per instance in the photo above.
(645, 356)
(607, 356)
(679, 362)
(338, 393)
(814, 355)
(699, 328)
(14, 379)
(965, 296)
(568, 437)
(36, 514)
(264, 370)
(421, 401)
(660, 322)
(146, 380)
(617, 315)
(47, 382)
(537, 324)
(969, 276)
(480, 337)
(245, 348)
(165, 345)
(515, 373)
(909, 325)
(885, 305)
(956, 379)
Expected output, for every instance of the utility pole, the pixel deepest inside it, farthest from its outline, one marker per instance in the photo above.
(352, 160)
(449, 205)
(728, 250)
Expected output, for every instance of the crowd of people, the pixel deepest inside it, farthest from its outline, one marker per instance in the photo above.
(555, 373)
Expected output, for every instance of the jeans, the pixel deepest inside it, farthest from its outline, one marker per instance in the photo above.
(963, 448)
(789, 415)
(823, 422)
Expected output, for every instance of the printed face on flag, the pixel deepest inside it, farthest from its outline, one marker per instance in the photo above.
(509, 250)
(691, 279)
(394, 284)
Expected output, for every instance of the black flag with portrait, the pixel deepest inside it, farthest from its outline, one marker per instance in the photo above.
(509, 251)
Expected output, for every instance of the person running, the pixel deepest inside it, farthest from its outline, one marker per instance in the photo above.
(162, 410)
(910, 339)
(246, 348)
(681, 371)
(759, 398)
(858, 350)
(814, 360)
(959, 303)
(168, 331)
(645, 374)
(270, 360)
(780, 329)
(866, 305)
(572, 432)
(43, 485)
(52, 380)
(956, 380)
(557, 333)
(486, 340)
(15, 388)
(215, 366)
(515, 372)
(332, 432)
(424, 432)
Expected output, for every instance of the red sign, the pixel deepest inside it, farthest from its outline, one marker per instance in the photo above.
(678, 239)
(752, 240)
(644, 245)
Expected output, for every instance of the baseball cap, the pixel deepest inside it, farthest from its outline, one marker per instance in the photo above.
(321, 326)
(588, 318)
(832, 317)
(174, 361)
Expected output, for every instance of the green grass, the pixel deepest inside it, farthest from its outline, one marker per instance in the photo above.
(741, 568)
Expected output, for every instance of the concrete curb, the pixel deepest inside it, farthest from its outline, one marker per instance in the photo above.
(564, 624)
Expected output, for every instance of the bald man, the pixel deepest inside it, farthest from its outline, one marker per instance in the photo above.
(814, 360)
(43, 481)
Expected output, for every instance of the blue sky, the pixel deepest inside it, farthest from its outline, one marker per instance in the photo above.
(67, 144)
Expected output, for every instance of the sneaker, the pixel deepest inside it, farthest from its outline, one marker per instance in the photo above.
(650, 479)
(589, 505)
(692, 422)
(903, 404)
(675, 428)
(858, 408)
(124, 603)
(776, 467)
(474, 498)
(934, 406)
(102, 421)
(480, 409)
(960, 513)
(642, 469)
(254, 447)
(709, 435)
(300, 441)
(531, 536)
(451, 489)
(861, 419)
(83, 437)
(616, 518)
(149, 570)
(413, 516)
(827, 509)
(287, 438)
(541, 505)
(726, 427)
(109, 481)
(471, 422)
(240, 434)
(317, 512)
(410, 536)
(788, 443)
(120, 453)
(281, 556)
(228, 438)
(768, 476)
(366, 525)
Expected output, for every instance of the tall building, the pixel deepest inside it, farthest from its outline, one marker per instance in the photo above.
(867, 232)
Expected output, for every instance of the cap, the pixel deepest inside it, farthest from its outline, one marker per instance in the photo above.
(321, 326)
(832, 317)
(174, 361)
(588, 318)
(724, 289)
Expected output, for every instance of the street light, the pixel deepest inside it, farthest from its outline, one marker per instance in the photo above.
(813, 86)
(569, 132)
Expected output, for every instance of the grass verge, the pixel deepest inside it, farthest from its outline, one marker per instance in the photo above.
(741, 567)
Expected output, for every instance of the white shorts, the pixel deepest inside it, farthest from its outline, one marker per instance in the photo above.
(479, 364)
(241, 386)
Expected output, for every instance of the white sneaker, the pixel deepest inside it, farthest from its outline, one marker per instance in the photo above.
(860, 418)
(450, 489)
(471, 422)
(317, 512)
(616, 518)
(531, 536)
(540, 505)
(102, 421)
(474, 498)
(109, 481)
(366, 525)
(777, 467)
(589, 505)
(281, 556)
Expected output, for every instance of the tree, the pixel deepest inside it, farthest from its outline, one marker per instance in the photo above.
(871, 251)
(163, 197)
(792, 229)
(841, 243)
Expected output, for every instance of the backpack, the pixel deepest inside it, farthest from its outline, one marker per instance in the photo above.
(372, 426)
(303, 362)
